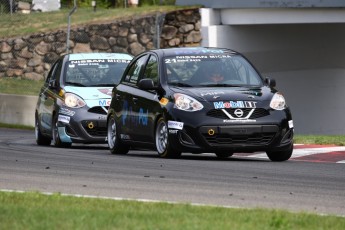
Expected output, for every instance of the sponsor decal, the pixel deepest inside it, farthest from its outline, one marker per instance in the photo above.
(239, 121)
(67, 112)
(290, 124)
(102, 117)
(106, 91)
(88, 61)
(234, 104)
(198, 51)
(211, 93)
(104, 102)
(143, 117)
(128, 115)
(195, 58)
(64, 119)
(175, 125)
(173, 131)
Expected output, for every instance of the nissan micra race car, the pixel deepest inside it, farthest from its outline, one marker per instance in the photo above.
(73, 102)
(198, 100)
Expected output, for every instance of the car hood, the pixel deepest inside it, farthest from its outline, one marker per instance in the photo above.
(90, 93)
(228, 93)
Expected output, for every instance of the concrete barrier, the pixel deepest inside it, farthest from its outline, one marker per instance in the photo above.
(17, 109)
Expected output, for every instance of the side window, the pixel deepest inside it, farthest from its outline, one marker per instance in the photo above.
(57, 71)
(51, 75)
(246, 74)
(151, 70)
(134, 71)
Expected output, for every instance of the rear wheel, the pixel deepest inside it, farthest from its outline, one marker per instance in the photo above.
(40, 138)
(280, 155)
(56, 137)
(114, 142)
(223, 155)
(163, 146)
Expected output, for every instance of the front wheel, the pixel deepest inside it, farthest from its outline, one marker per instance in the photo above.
(114, 142)
(163, 146)
(280, 155)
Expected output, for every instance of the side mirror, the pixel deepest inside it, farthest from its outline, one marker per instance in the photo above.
(270, 82)
(147, 84)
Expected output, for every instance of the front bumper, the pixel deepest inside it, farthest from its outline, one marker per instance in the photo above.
(273, 132)
(83, 125)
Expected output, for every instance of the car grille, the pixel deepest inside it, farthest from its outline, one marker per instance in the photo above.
(218, 113)
(99, 132)
(239, 134)
(255, 139)
(99, 110)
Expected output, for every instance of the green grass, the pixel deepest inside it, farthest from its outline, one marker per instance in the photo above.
(13, 126)
(20, 86)
(39, 211)
(320, 139)
(25, 24)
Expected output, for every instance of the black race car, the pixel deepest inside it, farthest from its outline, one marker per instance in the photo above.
(198, 100)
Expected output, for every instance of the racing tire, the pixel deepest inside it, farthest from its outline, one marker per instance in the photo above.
(114, 142)
(40, 138)
(223, 155)
(55, 134)
(281, 155)
(164, 148)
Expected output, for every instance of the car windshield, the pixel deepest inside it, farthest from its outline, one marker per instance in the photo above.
(93, 73)
(211, 71)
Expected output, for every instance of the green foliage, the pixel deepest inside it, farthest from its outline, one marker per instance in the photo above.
(320, 140)
(115, 3)
(37, 211)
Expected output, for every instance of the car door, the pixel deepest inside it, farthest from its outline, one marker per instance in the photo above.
(125, 99)
(48, 97)
(145, 104)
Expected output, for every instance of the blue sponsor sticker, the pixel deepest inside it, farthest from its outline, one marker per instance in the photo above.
(234, 104)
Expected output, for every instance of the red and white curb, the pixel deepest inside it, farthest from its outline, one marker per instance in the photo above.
(312, 153)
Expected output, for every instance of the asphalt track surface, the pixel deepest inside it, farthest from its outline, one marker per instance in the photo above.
(309, 182)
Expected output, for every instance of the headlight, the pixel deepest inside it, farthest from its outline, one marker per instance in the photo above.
(73, 101)
(278, 102)
(187, 103)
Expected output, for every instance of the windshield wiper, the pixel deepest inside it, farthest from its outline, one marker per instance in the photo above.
(220, 85)
(104, 84)
(180, 84)
(74, 83)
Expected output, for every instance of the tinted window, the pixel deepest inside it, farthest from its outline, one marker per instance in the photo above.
(135, 69)
(97, 72)
(151, 70)
(203, 70)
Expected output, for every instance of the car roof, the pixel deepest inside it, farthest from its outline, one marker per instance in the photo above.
(194, 51)
(88, 56)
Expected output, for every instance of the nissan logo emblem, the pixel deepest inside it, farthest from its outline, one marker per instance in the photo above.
(238, 112)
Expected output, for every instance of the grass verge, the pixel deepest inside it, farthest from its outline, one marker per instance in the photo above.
(38, 211)
(26, 24)
(20, 86)
(320, 139)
